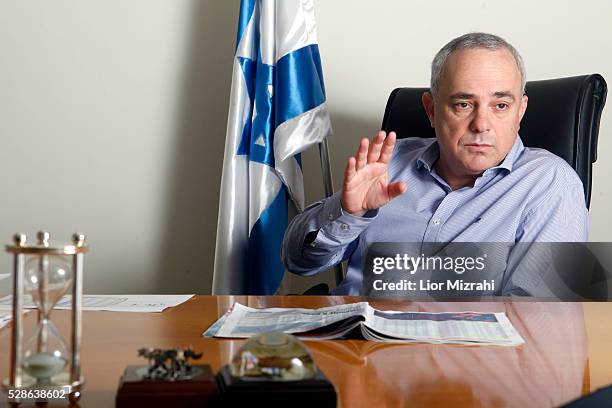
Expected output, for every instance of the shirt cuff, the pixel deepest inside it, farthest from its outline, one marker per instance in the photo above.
(336, 222)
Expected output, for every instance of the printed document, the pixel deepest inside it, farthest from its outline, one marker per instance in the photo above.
(6, 316)
(112, 303)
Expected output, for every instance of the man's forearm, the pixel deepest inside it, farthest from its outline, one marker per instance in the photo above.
(321, 237)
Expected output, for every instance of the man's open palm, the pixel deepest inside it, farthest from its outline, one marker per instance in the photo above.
(366, 179)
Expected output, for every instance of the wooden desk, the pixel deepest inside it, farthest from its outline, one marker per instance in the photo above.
(568, 352)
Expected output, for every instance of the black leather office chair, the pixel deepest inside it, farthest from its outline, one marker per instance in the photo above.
(562, 117)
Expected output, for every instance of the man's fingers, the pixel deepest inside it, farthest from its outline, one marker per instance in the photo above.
(376, 146)
(379, 150)
(350, 170)
(396, 189)
(362, 152)
(387, 148)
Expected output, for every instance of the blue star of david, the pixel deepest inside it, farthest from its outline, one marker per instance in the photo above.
(256, 140)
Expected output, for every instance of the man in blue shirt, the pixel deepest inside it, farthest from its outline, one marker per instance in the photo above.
(475, 182)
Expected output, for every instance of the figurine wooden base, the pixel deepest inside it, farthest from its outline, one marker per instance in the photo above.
(137, 392)
(233, 392)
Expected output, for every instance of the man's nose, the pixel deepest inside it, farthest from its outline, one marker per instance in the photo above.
(480, 122)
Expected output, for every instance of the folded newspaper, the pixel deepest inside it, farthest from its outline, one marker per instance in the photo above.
(360, 320)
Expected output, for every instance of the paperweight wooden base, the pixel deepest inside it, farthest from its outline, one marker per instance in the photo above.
(135, 392)
(317, 392)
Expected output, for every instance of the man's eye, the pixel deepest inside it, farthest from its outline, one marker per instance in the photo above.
(462, 105)
(502, 106)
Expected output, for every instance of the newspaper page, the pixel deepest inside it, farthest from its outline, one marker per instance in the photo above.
(441, 327)
(244, 322)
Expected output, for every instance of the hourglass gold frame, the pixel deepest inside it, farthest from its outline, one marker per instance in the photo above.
(74, 381)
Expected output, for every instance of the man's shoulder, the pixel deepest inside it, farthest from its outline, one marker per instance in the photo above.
(406, 152)
(545, 166)
(412, 147)
(410, 143)
(545, 178)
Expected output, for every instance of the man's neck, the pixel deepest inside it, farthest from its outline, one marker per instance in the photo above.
(454, 181)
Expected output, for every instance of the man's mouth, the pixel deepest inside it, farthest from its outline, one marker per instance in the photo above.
(478, 148)
(478, 145)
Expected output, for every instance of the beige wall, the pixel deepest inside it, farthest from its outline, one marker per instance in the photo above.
(113, 114)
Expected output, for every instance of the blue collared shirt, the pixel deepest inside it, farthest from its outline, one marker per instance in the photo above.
(532, 195)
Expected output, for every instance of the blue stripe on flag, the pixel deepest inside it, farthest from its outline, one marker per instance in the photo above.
(246, 11)
(299, 83)
(265, 269)
(247, 67)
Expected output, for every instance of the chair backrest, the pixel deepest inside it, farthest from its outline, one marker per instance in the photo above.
(562, 117)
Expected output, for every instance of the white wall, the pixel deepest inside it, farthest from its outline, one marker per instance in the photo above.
(112, 121)
(112, 114)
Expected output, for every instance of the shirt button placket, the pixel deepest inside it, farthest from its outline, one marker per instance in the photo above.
(433, 229)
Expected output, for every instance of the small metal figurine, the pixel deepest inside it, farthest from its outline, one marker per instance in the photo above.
(169, 364)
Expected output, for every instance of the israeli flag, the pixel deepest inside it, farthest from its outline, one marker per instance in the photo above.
(277, 110)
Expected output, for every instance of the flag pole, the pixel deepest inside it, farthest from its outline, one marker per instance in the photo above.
(328, 185)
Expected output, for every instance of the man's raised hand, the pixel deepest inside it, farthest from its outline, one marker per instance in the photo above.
(366, 179)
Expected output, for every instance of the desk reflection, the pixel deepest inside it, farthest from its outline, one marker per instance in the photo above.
(548, 370)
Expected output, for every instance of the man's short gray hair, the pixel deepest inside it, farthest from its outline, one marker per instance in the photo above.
(472, 41)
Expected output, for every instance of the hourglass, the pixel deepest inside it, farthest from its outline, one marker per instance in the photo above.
(46, 273)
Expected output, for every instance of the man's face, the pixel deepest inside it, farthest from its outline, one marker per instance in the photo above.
(477, 110)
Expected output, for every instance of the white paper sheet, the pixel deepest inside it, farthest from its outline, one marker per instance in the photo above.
(112, 303)
(6, 316)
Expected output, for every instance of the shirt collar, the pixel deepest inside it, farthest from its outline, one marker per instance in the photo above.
(428, 157)
(512, 156)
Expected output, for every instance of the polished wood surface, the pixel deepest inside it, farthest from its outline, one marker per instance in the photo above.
(568, 352)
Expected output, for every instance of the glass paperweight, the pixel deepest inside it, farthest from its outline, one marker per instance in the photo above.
(276, 356)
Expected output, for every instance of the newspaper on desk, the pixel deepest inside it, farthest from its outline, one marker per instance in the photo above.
(386, 326)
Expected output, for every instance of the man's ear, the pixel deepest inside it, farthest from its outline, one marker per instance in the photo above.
(522, 109)
(428, 104)
(523, 106)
